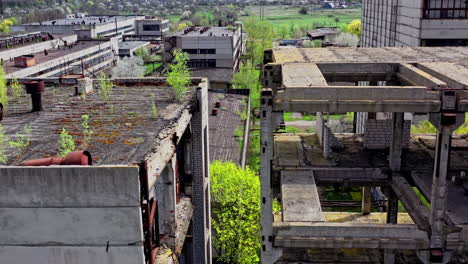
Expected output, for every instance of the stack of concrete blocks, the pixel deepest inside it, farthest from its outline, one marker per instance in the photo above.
(378, 133)
(70, 214)
(326, 137)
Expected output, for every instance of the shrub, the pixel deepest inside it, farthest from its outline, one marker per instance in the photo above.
(178, 76)
(66, 143)
(345, 39)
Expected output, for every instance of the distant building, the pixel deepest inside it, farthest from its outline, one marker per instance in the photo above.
(211, 49)
(322, 33)
(91, 27)
(40, 54)
(128, 48)
(415, 23)
(329, 6)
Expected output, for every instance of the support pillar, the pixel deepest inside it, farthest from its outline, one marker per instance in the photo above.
(201, 179)
(396, 145)
(445, 124)
(392, 208)
(269, 254)
(366, 200)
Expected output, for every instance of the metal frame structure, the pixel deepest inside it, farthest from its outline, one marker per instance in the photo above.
(304, 87)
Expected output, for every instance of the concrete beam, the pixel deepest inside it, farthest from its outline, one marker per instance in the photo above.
(366, 200)
(308, 229)
(417, 210)
(344, 105)
(350, 242)
(414, 76)
(300, 199)
(355, 72)
(350, 176)
(452, 74)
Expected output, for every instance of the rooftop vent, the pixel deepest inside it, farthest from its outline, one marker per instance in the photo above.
(35, 89)
(205, 29)
(25, 61)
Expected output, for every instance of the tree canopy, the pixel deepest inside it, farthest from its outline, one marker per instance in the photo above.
(235, 205)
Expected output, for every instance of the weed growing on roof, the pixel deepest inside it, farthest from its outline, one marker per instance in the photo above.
(16, 89)
(66, 143)
(3, 141)
(106, 86)
(22, 141)
(179, 75)
(3, 90)
(154, 108)
(87, 133)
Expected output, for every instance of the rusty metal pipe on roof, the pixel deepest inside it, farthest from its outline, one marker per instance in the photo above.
(82, 158)
(1, 111)
(35, 89)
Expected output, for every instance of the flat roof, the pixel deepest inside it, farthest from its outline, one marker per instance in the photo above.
(224, 143)
(457, 55)
(211, 31)
(40, 57)
(223, 75)
(89, 20)
(124, 130)
(132, 44)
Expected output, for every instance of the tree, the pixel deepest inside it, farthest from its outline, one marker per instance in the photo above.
(129, 67)
(345, 39)
(260, 37)
(303, 10)
(235, 206)
(3, 90)
(178, 76)
(354, 27)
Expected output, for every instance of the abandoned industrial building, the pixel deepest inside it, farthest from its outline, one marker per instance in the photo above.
(42, 55)
(136, 190)
(380, 154)
(414, 23)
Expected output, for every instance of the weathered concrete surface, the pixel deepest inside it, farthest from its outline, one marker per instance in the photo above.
(300, 198)
(302, 75)
(69, 186)
(183, 218)
(70, 226)
(71, 255)
(288, 151)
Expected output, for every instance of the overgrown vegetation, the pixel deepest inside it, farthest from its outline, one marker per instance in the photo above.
(66, 143)
(21, 141)
(3, 90)
(129, 67)
(425, 127)
(87, 132)
(178, 76)
(105, 85)
(235, 207)
(16, 89)
(3, 146)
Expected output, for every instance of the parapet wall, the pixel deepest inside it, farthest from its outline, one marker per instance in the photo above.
(70, 214)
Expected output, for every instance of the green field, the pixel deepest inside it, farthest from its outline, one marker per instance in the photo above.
(281, 16)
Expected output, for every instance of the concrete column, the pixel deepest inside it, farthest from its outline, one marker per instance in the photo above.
(366, 200)
(396, 145)
(392, 209)
(165, 193)
(201, 180)
(269, 254)
(389, 256)
(445, 125)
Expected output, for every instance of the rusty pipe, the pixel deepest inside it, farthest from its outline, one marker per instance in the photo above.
(73, 158)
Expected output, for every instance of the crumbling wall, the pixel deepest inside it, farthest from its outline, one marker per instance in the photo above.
(70, 214)
(326, 137)
(378, 133)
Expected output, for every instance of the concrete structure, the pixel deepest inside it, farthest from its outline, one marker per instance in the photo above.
(135, 203)
(419, 80)
(86, 27)
(414, 23)
(152, 27)
(60, 55)
(128, 48)
(209, 47)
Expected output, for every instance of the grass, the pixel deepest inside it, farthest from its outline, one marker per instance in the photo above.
(150, 68)
(283, 15)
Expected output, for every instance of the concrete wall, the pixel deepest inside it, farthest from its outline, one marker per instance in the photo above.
(388, 23)
(378, 133)
(223, 46)
(326, 137)
(163, 26)
(34, 48)
(70, 214)
(444, 29)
